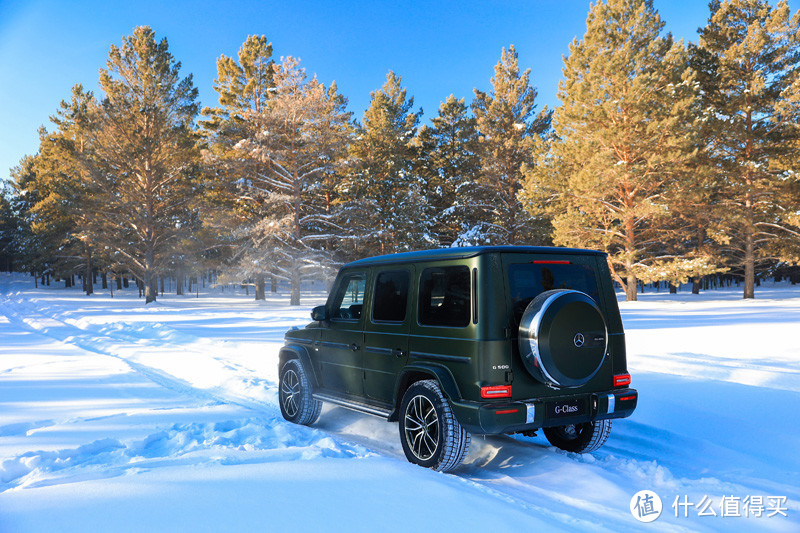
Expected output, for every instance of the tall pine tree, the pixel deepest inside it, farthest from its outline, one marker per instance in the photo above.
(448, 163)
(748, 64)
(233, 200)
(300, 136)
(624, 134)
(143, 155)
(512, 135)
(381, 195)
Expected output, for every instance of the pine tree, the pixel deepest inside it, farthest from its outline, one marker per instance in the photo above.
(233, 201)
(300, 136)
(624, 137)
(29, 246)
(748, 64)
(449, 164)
(381, 203)
(143, 156)
(67, 205)
(8, 228)
(511, 136)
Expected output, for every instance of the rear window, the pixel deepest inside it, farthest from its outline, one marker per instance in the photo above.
(444, 297)
(391, 294)
(528, 280)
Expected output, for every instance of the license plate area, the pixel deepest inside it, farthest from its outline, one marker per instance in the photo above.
(566, 408)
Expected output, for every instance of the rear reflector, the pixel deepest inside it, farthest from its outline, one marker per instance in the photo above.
(506, 411)
(496, 391)
(626, 398)
(550, 262)
(622, 380)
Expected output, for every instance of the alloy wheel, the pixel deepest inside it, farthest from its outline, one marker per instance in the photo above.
(421, 427)
(290, 390)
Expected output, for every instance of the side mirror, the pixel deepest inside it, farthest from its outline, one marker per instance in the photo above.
(319, 313)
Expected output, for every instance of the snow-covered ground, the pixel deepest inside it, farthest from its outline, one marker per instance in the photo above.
(119, 417)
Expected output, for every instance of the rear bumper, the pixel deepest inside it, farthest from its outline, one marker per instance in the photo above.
(510, 417)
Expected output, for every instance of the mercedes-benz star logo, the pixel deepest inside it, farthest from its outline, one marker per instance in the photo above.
(578, 340)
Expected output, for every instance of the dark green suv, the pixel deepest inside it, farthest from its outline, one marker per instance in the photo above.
(450, 342)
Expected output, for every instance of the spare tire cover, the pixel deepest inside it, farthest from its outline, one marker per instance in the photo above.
(563, 338)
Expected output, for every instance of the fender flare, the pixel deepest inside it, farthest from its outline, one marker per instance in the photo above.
(438, 372)
(296, 351)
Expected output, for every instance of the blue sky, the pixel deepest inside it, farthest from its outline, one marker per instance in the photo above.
(438, 48)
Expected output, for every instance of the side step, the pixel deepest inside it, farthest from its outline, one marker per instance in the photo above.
(355, 406)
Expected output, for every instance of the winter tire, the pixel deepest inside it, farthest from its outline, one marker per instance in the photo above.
(294, 395)
(563, 338)
(579, 438)
(429, 432)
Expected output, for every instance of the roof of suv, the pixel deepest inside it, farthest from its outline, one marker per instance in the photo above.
(465, 252)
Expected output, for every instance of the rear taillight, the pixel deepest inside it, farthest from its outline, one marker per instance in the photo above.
(622, 380)
(506, 411)
(496, 391)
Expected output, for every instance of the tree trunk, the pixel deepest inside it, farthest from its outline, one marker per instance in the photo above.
(260, 287)
(697, 283)
(179, 280)
(673, 288)
(273, 283)
(749, 266)
(150, 287)
(119, 283)
(125, 282)
(104, 279)
(161, 281)
(88, 286)
(295, 297)
(630, 289)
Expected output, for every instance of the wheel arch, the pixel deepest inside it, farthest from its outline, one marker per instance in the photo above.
(419, 371)
(293, 351)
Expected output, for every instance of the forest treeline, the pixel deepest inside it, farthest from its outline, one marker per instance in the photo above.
(680, 160)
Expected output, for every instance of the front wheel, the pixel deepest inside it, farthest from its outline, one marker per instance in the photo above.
(579, 438)
(294, 396)
(429, 432)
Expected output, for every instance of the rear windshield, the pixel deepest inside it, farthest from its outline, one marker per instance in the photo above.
(528, 280)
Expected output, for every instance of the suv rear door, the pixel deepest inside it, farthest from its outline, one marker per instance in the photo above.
(386, 331)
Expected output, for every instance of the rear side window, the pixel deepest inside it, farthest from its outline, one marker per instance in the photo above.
(528, 280)
(391, 297)
(444, 297)
(349, 299)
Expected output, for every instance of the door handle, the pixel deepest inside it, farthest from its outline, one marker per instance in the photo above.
(397, 352)
(354, 347)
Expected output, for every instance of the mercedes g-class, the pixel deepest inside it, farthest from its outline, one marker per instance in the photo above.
(448, 342)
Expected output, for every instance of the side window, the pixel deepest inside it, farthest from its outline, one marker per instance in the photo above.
(444, 297)
(391, 296)
(349, 299)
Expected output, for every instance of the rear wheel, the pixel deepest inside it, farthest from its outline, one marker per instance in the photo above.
(294, 395)
(429, 432)
(579, 438)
